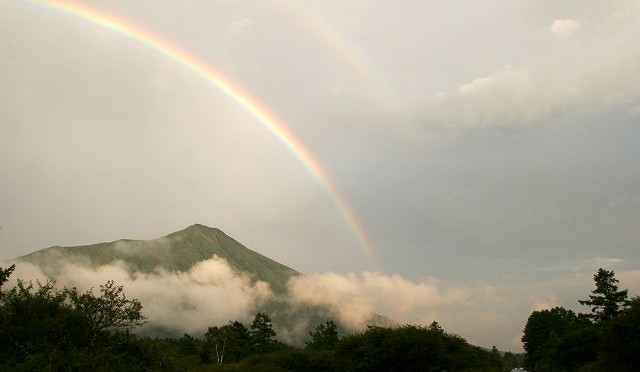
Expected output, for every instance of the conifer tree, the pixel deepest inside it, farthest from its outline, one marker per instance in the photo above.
(606, 301)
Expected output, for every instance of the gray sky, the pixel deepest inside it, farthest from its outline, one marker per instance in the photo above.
(486, 146)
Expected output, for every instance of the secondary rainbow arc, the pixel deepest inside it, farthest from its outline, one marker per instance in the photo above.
(231, 89)
(342, 50)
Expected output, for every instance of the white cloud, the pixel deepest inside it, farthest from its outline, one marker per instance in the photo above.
(590, 264)
(354, 297)
(210, 293)
(559, 80)
(544, 303)
(501, 98)
(630, 279)
(564, 28)
(241, 24)
(635, 110)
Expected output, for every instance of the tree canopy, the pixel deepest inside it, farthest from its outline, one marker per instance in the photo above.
(41, 324)
(606, 300)
(606, 339)
(325, 336)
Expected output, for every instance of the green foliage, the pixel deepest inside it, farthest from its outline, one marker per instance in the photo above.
(187, 345)
(607, 339)
(540, 327)
(178, 251)
(43, 326)
(606, 301)
(621, 340)
(411, 348)
(262, 334)
(513, 360)
(4, 275)
(112, 310)
(325, 336)
(290, 360)
(228, 343)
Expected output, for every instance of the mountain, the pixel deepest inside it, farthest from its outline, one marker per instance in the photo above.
(181, 250)
(178, 251)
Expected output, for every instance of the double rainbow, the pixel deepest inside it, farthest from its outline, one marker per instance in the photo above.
(230, 88)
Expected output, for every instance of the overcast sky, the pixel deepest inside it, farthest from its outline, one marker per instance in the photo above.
(491, 146)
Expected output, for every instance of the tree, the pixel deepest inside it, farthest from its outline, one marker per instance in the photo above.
(4, 275)
(111, 311)
(216, 338)
(43, 325)
(325, 336)
(606, 301)
(228, 343)
(411, 348)
(187, 345)
(262, 334)
(542, 328)
(622, 340)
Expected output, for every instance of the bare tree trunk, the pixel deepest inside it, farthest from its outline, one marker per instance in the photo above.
(220, 353)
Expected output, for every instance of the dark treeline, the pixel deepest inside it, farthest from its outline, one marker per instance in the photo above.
(606, 339)
(43, 327)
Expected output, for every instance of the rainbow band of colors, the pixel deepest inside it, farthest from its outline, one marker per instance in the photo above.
(234, 91)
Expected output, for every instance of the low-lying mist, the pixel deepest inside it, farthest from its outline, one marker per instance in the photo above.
(212, 293)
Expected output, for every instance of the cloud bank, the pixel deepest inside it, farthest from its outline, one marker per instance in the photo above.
(353, 298)
(210, 293)
(581, 67)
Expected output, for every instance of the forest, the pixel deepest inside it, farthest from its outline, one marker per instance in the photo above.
(605, 339)
(44, 327)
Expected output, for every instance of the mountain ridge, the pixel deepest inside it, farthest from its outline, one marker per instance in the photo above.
(177, 251)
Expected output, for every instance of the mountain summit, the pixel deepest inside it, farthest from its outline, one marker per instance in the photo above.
(178, 251)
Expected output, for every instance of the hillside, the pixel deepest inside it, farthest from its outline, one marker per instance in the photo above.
(177, 251)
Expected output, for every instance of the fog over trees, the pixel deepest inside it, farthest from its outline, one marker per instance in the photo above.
(47, 327)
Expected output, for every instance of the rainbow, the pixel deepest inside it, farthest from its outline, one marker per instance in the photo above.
(231, 89)
(340, 48)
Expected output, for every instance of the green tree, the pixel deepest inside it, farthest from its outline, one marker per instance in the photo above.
(187, 345)
(542, 327)
(622, 340)
(262, 334)
(606, 301)
(513, 360)
(229, 343)
(216, 342)
(4, 275)
(325, 336)
(43, 327)
(412, 348)
(112, 310)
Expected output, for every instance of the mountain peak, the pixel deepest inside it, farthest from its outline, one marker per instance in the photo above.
(178, 251)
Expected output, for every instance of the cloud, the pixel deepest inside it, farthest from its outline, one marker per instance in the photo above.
(630, 279)
(485, 314)
(241, 24)
(564, 28)
(635, 110)
(544, 303)
(590, 264)
(501, 98)
(210, 293)
(589, 75)
(353, 298)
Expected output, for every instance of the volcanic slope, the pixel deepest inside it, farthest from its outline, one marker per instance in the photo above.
(178, 251)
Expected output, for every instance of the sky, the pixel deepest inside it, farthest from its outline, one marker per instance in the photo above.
(488, 150)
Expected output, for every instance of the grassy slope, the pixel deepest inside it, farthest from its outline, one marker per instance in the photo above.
(178, 251)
